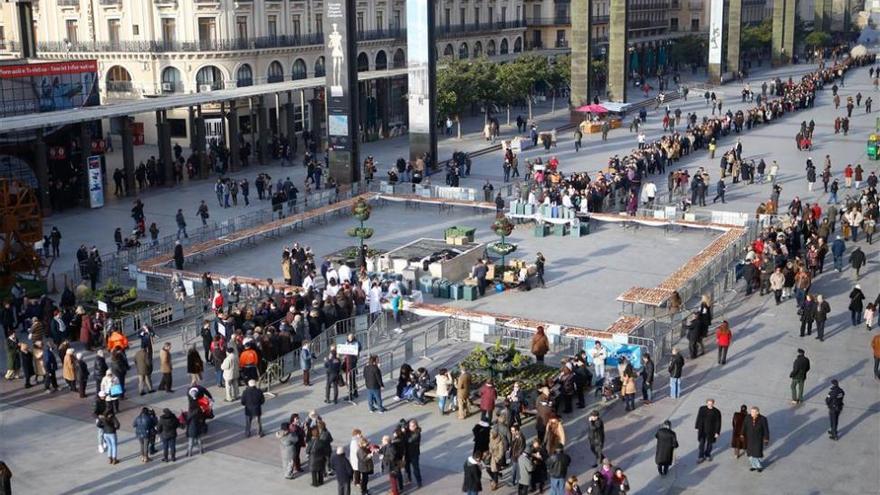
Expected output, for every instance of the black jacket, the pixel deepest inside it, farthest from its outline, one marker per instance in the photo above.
(648, 371)
(557, 465)
(667, 442)
(708, 422)
(800, 367)
(168, 425)
(596, 434)
(676, 366)
(472, 476)
(252, 399)
(414, 444)
(373, 377)
(834, 400)
(342, 468)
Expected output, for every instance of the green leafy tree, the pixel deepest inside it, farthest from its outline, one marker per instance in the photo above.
(454, 92)
(757, 38)
(517, 79)
(503, 227)
(559, 75)
(689, 50)
(817, 39)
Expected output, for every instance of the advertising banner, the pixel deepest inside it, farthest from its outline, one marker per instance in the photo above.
(716, 28)
(46, 87)
(339, 83)
(421, 68)
(96, 182)
(614, 350)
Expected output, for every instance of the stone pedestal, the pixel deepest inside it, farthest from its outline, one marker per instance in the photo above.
(581, 56)
(734, 35)
(618, 56)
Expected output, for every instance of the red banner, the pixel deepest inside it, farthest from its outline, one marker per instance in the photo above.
(48, 69)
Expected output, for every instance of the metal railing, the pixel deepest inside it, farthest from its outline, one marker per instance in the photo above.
(453, 30)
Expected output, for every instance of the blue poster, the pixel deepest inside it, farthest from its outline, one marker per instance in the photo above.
(633, 353)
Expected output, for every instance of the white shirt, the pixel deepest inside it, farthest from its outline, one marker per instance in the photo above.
(375, 299)
(344, 273)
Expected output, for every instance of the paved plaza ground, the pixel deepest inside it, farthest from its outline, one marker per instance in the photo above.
(49, 441)
(595, 268)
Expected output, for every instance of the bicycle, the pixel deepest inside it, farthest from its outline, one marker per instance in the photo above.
(275, 373)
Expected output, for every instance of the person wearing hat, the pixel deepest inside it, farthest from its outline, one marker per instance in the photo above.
(798, 376)
(82, 374)
(252, 399)
(596, 436)
(834, 401)
(856, 304)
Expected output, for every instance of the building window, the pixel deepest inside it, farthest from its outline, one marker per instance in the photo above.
(503, 14)
(299, 70)
(360, 21)
(477, 16)
(244, 76)
(207, 31)
(319, 23)
(380, 20)
(70, 25)
(491, 14)
(171, 80)
(297, 25)
(178, 127)
(135, 30)
(276, 72)
(695, 24)
(446, 16)
(272, 24)
(241, 27)
(518, 12)
(673, 23)
(169, 30)
(396, 19)
(113, 30)
(463, 15)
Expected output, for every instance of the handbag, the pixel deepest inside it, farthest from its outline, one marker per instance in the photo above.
(116, 390)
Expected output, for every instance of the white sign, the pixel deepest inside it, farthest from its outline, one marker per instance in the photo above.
(141, 281)
(620, 338)
(478, 332)
(96, 182)
(213, 130)
(347, 349)
(102, 306)
(190, 290)
(716, 30)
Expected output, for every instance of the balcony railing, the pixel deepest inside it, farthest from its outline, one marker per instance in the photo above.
(183, 46)
(382, 34)
(453, 30)
(561, 43)
(119, 87)
(601, 19)
(110, 2)
(649, 5)
(68, 3)
(559, 20)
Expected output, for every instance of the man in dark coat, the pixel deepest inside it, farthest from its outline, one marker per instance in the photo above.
(834, 401)
(344, 472)
(798, 376)
(667, 442)
(596, 436)
(472, 484)
(693, 336)
(708, 426)
(252, 399)
(757, 434)
(178, 255)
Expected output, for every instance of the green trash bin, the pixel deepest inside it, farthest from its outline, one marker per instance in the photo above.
(542, 230)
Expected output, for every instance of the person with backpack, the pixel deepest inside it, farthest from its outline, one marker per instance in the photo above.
(144, 427)
(834, 401)
(167, 427)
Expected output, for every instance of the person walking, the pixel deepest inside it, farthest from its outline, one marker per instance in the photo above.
(344, 472)
(253, 399)
(557, 470)
(109, 424)
(737, 440)
(807, 313)
(708, 426)
(333, 367)
(798, 376)
(834, 401)
(857, 259)
(667, 442)
(723, 337)
(144, 427)
(167, 429)
(144, 368)
(676, 365)
(856, 305)
(596, 436)
(305, 362)
(179, 258)
(488, 396)
(374, 385)
(195, 428)
(822, 311)
(540, 344)
(463, 393)
(875, 347)
(756, 432)
(473, 473)
(647, 374)
(181, 224)
(231, 374)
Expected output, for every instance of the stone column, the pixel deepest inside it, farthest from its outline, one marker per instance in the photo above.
(166, 155)
(581, 55)
(618, 56)
(734, 35)
(788, 33)
(819, 14)
(234, 147)
(263, 130)
(41, 167)
(777, 51)
(290, 118)
(127, 154)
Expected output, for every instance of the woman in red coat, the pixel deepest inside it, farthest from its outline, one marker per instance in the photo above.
(85, 328)
(723, 337)
(488, 396)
